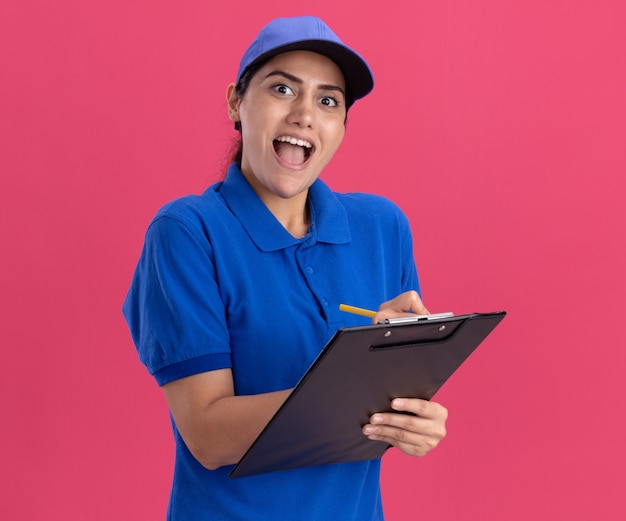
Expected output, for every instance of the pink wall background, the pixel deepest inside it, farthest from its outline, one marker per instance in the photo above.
(499, 127)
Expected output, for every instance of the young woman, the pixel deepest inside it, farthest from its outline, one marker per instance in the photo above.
(238, 289)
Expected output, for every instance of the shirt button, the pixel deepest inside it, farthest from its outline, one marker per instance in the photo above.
(309, 269)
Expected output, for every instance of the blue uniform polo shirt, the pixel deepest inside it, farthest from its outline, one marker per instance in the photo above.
(221, 284)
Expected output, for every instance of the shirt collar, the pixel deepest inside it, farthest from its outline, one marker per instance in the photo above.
(329, 220)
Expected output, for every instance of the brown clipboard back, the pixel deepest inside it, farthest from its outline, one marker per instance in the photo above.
(358, 373)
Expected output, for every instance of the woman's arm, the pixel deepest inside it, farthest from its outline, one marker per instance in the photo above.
(217, 426)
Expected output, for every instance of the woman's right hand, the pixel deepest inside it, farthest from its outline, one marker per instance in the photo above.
(406, 304)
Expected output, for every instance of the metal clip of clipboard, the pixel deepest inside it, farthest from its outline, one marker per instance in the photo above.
(416, 318)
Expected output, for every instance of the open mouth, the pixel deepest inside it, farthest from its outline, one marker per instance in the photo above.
(293, 151)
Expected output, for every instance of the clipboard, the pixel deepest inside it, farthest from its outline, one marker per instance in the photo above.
(358, 373)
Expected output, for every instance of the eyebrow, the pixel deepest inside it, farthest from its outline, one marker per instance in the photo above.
(297, 80)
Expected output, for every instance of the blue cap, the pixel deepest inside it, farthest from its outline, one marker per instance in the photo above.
(309, 33)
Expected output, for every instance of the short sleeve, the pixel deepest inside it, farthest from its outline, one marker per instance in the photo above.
(173, 307)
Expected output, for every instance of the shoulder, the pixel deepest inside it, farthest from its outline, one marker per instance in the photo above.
(193, 212)
(185, 222)
(372, 208)
(192, 207)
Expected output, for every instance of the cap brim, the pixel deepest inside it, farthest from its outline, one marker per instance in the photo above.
(356, 72)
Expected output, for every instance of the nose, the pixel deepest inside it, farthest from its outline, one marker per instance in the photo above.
(302, 113)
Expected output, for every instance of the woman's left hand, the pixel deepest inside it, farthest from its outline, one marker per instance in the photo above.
(414, 434)
(417, 433)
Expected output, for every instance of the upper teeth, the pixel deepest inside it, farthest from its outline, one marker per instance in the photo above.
(294, 141)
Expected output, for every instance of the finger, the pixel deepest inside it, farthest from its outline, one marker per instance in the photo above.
(422, 408)
(416, 305)
(409, 442)
(406, 303)
(412, 302)
(402, 425)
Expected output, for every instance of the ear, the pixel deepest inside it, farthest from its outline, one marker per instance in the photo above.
(233, 103)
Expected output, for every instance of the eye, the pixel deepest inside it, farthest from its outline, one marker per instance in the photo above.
(329, 101)
(282, 89)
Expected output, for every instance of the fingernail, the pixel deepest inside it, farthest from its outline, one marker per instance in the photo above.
(398, 403)
(377, 419)
(369, 430)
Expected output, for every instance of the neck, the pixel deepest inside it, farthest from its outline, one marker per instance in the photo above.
(292, 212)
(295, 221)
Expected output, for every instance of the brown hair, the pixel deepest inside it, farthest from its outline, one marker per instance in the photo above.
(236, 150)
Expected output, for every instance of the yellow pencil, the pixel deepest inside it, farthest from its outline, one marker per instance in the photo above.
(356, 311)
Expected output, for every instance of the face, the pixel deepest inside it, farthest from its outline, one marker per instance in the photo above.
(292, 122)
